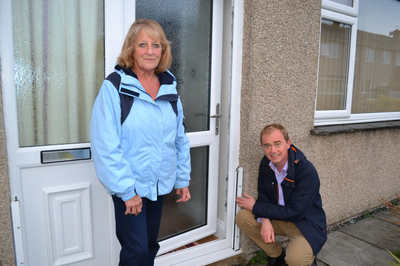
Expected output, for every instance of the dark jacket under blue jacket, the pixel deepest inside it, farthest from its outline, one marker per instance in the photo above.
(303, 204)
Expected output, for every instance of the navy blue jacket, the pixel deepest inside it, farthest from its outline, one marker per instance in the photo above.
(303, 204)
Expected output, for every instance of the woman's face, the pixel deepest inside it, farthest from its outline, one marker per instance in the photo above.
(146, 52)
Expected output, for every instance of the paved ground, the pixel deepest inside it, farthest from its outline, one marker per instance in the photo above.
(363, 243)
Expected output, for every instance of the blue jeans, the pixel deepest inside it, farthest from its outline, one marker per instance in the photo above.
(138, 234)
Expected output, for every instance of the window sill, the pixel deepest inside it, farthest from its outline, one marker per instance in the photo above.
(350, 128)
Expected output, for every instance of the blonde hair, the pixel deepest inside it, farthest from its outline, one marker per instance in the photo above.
(268, 129)
(154, 29)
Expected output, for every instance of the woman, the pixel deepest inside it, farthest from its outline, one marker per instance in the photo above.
(138, 140)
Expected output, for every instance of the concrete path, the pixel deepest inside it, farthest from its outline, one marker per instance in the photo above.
(363, 243)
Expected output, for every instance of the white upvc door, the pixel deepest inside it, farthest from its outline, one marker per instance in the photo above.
(66, 216)
(61, 208)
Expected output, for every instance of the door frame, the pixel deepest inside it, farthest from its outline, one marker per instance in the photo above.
(228, 244)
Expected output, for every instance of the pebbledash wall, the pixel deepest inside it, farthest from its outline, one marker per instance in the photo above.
(279, 80)
(6, 237)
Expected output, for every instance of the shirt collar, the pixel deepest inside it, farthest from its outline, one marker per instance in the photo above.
(272, 165)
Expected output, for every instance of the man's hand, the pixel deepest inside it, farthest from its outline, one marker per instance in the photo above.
(134, 205)
(185, 194)
(247, 202)
(267, 231)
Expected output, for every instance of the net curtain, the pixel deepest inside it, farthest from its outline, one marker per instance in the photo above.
(58, 66)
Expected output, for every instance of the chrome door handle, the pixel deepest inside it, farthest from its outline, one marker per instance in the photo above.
(217, 116)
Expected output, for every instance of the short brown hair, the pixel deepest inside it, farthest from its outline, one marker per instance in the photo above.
(268, 129)
(154, 29)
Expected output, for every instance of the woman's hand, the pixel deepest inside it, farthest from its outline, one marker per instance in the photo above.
(185, 194)
(134, 205)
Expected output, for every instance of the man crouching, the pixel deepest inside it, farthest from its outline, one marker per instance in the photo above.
(289, 203)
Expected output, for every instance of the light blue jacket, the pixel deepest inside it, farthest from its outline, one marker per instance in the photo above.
(147, 152)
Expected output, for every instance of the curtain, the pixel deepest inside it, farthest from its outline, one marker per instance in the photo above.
(333, 65)
(59, 67)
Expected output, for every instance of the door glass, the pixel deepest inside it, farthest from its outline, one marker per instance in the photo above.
(187, 25)
(58, 68)
(181, 217)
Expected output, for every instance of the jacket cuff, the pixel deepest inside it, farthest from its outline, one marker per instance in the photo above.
(129, 195)
(181, 184)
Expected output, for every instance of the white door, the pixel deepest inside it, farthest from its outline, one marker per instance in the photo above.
(54, 56)
(52, 60)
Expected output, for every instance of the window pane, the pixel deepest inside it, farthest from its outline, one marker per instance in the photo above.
(333, 65)
(58, 66)
(344, 2)
(398, 59)
(187, 24)
(181, 217)
(376, 77)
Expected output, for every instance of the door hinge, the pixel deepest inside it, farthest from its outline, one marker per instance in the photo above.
(17, 230)
(239, 191)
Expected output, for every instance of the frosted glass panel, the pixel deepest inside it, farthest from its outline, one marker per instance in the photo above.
(59, 67)
(183, 216)
(187, 24)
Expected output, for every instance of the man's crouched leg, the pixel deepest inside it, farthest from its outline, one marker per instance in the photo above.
(246, 222)
(298, 252)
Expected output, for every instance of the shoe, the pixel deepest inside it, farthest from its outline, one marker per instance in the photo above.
(279, 261)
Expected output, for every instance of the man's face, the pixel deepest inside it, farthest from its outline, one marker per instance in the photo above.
(276, 148)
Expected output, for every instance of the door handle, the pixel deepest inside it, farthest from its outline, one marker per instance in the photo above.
(217, 116)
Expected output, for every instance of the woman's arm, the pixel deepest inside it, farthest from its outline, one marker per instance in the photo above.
(113, 170)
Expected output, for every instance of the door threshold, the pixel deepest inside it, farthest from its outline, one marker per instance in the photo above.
(193, 244)
(199, 255)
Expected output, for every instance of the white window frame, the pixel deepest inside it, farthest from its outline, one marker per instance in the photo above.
(340, 8)
(348, 15)
(326, 116)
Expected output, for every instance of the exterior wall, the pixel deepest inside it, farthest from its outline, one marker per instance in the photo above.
(279, 79)
(6, 238)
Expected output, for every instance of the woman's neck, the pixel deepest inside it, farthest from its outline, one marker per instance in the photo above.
(149, 81)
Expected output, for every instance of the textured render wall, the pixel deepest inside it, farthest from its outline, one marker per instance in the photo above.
(6, 238)
(279, 79)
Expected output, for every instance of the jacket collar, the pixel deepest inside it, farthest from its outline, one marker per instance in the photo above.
(165, 78)
(295, 156)
(131, 86)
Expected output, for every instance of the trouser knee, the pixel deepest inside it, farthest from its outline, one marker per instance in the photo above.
(299, 259)
(239, 219)
(244, 219)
